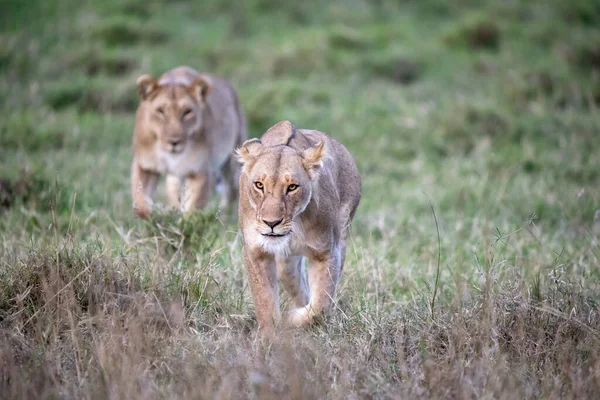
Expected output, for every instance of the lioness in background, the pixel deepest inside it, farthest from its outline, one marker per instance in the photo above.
(299, 190)
(187, 126)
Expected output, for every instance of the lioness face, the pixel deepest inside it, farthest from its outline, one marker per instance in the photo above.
(177, 115)
(278, 194)
(175, 110)
(280, 188)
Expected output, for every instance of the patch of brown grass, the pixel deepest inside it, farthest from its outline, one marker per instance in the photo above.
(476, 32)
(77, 325)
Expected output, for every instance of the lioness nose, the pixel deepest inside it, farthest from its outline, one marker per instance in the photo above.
(272, 224)
(174, 142)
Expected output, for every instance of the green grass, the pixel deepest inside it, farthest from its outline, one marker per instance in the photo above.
(490, 109)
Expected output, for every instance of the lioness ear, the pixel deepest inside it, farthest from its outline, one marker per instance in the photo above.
(313, 158)
(248, 153)
(146, 84)
(201, 87)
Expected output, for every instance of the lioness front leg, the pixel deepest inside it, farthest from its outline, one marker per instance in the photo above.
(197, 188)
(293, 279)
(323, 276)
(173, 184)
(143, 185)
(262, 277)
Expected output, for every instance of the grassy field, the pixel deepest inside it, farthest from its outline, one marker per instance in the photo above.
(485, 112)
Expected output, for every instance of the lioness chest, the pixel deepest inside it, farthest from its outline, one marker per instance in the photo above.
(187, 162)
(308, 238)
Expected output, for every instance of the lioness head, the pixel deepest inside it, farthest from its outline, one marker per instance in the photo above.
(281, 184)
(175, 110)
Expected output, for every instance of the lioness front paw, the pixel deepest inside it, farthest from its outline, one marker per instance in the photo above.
(142, 212)
(299, 317)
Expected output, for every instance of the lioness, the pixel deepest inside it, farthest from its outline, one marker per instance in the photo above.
(187, 126)
(299, 190)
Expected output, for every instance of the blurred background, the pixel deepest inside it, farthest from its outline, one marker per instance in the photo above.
(462, 99)
(489, 108)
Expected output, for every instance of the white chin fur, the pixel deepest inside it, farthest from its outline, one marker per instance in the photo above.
(278, 246)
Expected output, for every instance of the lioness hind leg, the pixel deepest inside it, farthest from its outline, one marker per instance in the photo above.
(323, 276)
(173, 184)
(293, 279)
(342, 254)
(231, 176)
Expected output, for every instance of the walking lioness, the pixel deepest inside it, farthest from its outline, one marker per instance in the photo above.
(187, 126)
(299, 190)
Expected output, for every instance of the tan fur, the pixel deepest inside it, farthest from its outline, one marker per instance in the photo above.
(187, 126)
(312, 219)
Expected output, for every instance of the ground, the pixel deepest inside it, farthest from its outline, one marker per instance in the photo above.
(474, 265)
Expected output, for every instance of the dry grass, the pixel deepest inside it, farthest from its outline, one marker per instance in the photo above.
(78, 324)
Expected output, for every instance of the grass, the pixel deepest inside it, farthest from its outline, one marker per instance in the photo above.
(473, 269)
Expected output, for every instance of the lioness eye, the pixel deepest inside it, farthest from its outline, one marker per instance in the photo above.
(259, 185)
(161, 111)
(186, 113)
(292, 187)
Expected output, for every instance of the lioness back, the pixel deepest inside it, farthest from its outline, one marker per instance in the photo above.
(299, 190)
(187, 126)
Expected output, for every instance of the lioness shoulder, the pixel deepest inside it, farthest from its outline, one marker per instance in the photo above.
(299, 190)
(187, 126)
